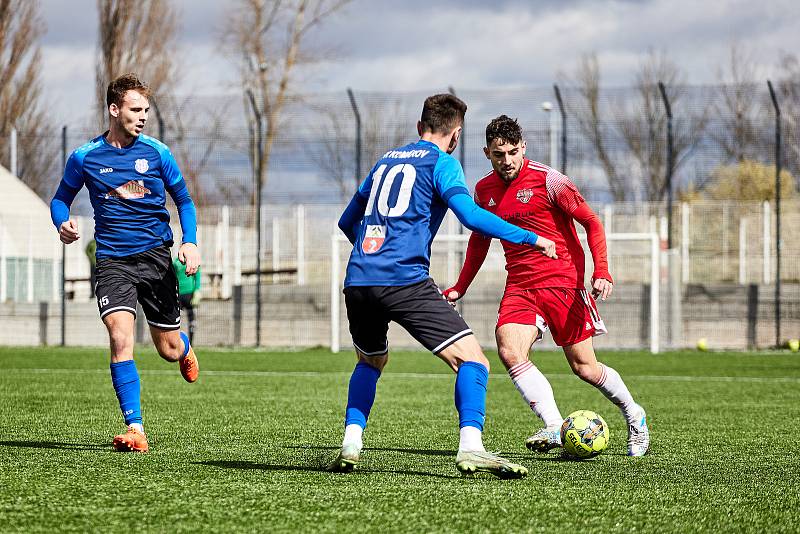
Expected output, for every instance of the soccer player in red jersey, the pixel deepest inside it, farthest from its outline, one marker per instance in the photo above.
(542, 293)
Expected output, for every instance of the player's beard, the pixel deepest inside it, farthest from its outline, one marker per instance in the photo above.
(506, 177)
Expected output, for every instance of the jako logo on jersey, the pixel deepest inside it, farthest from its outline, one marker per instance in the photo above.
(373, 238)
(106, 170)
(525, 195)
(141, 166)
(133, 189)
(492, 202)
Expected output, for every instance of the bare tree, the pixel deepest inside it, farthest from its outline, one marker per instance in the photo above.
(270, 37)
(643, 123)
(640, 123)
(587, 110)
(193, 148)
(135, 36)
(20, 90)
(337, 134)
(738, 111)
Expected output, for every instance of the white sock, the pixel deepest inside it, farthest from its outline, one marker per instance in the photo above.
(471, 439)
(537, 392)
(137, 426)
(615, 390)
(353, 436)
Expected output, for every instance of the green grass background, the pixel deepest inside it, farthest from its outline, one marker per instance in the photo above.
(242, 449)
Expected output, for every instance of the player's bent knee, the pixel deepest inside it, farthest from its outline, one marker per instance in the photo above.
(588, 372)
(378, 362)
(465, 349)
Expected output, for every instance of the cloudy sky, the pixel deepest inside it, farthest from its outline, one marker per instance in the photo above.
(413, 45)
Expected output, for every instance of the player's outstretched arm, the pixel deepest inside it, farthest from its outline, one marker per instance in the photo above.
(602, 283)
(489, 224)
(477, 249)
(352, 215)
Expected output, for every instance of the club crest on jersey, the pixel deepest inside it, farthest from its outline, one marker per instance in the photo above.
(130, 190)
(141, 166)
(525, 195)
(373, 238)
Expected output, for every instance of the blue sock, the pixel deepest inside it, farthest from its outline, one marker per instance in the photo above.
(471, 383)
(186, 344)
(361, 394)
(125, 378)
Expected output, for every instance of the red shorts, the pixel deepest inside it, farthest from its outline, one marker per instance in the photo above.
(569, 314)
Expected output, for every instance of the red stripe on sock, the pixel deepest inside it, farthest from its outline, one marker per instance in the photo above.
(602, 375)
(520, 369)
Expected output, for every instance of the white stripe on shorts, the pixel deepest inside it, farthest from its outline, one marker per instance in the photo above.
(451, 339)
(117, 308)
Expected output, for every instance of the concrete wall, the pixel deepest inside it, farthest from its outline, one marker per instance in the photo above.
(295, 316)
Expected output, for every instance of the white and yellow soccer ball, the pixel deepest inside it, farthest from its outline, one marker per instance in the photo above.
(584, 434)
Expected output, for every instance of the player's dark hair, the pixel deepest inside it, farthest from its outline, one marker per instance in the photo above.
(442, 113)
(504, 128)
(121, 85)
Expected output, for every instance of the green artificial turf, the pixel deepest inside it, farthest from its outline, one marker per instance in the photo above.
(242, 449)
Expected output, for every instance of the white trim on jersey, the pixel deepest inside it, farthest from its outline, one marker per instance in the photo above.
(536, 166)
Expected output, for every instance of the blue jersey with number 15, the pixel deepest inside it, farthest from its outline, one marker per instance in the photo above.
(405, 199)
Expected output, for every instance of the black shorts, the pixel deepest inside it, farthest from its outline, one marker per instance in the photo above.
(147, 277)
(419, 308)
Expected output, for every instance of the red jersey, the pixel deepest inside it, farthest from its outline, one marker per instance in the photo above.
(542, 200)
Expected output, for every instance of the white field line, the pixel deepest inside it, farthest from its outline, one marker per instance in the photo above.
(390, 375)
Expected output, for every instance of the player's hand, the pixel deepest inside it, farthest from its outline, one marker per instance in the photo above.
(547, 247)
(602, 288)
(452, 295)
(189, 255)
(195, 298)
(68, 233)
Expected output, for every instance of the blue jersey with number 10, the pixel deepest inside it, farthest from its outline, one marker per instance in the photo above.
(405, 199)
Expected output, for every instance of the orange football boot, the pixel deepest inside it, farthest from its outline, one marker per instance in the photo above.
(131, 441)
(190, 368)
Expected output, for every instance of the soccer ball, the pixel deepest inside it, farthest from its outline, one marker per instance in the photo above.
(584, 434)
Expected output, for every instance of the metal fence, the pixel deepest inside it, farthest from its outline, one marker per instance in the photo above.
(724, 234)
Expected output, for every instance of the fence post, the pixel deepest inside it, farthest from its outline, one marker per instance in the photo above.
(655, 291)
(743, 251)
(300, 215)
(224, 245)
(684, 242)
(43, 314)
(777, 213)
(257, 167)
(765, 240)
(358, 135)
(670, 162)
(752, 316)
(237, 314)
(276, 248)
(563, 129)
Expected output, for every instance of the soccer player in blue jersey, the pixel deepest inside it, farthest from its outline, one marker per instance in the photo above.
(128, 175)
(391, 221)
